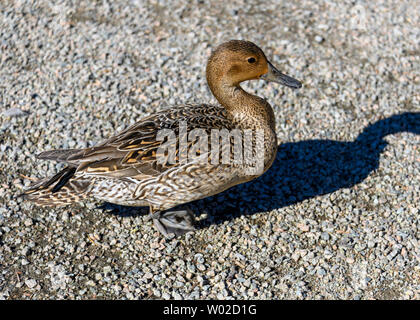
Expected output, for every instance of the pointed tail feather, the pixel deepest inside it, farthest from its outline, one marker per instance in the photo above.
(60, 155)
(61, 189)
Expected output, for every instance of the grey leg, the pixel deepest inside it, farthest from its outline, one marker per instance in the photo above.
(173, 222)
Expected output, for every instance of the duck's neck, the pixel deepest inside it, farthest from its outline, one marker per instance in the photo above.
(244, 108)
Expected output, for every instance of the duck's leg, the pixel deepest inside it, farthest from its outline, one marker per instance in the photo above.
(173, 222)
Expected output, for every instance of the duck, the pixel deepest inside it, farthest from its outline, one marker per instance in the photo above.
(167, 159)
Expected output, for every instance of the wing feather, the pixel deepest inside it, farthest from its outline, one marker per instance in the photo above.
(134, 151)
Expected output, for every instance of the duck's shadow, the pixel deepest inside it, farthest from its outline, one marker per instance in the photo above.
(300, 171)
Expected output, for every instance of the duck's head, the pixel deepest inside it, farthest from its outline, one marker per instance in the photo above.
(236, 61)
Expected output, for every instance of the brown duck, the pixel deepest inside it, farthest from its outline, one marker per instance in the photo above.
(131, 168)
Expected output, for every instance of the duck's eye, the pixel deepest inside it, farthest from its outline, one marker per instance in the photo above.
(251, 60)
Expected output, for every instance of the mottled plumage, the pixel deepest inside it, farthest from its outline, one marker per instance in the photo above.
(127, 168)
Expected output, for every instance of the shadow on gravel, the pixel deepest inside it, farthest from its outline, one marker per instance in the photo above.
(302, 170)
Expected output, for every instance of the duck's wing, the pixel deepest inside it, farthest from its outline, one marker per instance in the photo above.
(134, 152)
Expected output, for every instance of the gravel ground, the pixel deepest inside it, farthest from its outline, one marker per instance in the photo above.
(336, 217)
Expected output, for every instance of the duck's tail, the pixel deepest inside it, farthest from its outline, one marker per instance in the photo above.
(61, 189)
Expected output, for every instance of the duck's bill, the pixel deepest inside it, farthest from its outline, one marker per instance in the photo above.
(276, 76)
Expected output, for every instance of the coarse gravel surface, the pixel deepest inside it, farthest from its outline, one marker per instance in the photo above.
(336, 217)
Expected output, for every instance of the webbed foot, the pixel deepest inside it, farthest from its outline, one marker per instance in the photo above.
(173, 222)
